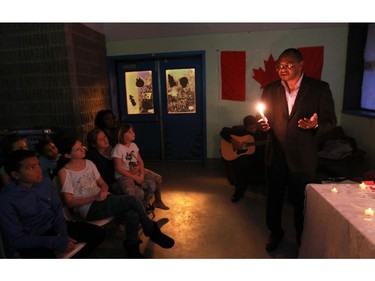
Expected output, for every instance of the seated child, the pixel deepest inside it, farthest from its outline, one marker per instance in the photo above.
(11, 143)
(130, 170)
(31, 216)
(48, 156)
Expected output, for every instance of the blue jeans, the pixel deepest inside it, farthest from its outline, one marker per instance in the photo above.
(128, 209)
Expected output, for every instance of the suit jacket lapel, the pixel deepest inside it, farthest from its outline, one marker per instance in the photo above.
(300, 96)
(282, 100)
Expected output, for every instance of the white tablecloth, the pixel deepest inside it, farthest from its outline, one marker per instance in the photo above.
(336, 225)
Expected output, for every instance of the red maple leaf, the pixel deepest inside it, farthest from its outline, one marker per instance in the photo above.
(264, 77)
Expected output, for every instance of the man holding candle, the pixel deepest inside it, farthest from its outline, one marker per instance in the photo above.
(297, 108)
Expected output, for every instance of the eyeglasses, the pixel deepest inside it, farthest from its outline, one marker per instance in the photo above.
(284, 66)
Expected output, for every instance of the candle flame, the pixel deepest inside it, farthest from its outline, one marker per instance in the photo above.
(362, 185)
(260, 108)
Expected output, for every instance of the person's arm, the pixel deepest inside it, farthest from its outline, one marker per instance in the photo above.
(103, 189)
(59, 223)
(141, 165)
(324, 119)
(99, 180)
(264, 123)
(225, 133)
(102, 184)
(121, 170)
(72, 202)
(18, 237)
(238, 131)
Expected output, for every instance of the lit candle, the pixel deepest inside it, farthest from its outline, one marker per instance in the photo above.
(369, 212)
(260, 108)
(334, 190)
(362, 186)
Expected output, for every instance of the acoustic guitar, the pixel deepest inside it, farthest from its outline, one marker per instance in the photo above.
(230, 152)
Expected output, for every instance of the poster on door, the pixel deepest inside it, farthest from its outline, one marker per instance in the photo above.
(139, 92)
(181, 91)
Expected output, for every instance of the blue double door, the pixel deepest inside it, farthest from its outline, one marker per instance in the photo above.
(163, 98)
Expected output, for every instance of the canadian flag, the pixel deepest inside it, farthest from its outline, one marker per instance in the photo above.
(233, 75)
(245, 74)
(312, 66)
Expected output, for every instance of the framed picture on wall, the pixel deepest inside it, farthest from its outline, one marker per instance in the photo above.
(139, 92)
(181, 91)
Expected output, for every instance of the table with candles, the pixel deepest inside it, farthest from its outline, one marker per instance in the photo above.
(339, 221)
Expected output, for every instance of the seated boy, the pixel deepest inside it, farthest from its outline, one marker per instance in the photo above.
(31, 217)
(48, 156)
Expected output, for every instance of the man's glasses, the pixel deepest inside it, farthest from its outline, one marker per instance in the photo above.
(284, 66)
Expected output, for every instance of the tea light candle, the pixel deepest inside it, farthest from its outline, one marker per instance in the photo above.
(334, 190)
(369, 212)
(362, 186)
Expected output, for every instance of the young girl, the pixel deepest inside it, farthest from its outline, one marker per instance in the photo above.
(84, 189)
(129, 166)
(99, 152)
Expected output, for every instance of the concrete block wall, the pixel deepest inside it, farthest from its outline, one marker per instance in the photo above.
(52, 76)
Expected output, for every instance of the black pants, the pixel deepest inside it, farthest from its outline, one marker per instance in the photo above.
(243, 167)
(93, 235)
(81, 231)
(279, 181)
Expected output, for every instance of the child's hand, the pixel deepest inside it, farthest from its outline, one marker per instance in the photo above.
(134, 170)
(71, 245)
(139, 179)
(102, 195)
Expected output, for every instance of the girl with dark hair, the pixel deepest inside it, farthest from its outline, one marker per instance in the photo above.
(85, 190)
(99, 152)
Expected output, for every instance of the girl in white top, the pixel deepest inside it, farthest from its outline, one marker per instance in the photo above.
(80, 181)
(130, 171)
(84, 189)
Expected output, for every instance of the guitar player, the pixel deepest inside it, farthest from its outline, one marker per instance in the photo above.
(244, 164)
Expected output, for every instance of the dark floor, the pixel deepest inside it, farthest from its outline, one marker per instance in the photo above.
(203, 221)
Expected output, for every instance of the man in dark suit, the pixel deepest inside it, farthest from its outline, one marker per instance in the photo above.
(298, 108)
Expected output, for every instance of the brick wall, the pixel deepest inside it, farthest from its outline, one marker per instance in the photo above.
(52, 76)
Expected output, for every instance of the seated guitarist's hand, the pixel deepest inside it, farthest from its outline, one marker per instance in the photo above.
(236, 144)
